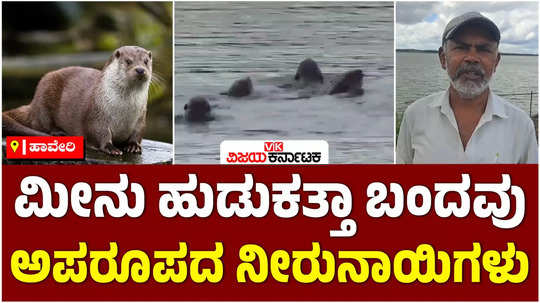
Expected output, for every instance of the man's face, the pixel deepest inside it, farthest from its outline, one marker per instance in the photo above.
(470, 59)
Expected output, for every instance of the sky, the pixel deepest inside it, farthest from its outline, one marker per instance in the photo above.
(420, 24)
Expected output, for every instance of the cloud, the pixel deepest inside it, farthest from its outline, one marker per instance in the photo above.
(412, 12)
(420, 24)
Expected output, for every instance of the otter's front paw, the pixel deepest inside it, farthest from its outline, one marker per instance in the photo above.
(111, 150)
(133, 147)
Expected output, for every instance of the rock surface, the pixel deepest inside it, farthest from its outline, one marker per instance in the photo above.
(153, 152)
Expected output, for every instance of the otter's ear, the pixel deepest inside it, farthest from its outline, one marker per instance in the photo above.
(117, 54)
(150, 54)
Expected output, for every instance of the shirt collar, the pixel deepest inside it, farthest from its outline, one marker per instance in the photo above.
(494, 107)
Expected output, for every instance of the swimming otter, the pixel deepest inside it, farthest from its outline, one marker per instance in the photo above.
(241, 88)
(350, 82)
(107, 107)
(197, 110)
(310, 82)
(308, 71)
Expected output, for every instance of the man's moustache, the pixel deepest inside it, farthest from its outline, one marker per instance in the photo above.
(470, 68)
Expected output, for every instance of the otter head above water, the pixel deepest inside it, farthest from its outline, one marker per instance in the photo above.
(129, 66)
(241, 88)
(350, 82)
(309, 82)
(308, 72)
(197, 110)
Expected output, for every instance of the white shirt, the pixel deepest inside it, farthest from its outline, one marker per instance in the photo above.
(429, 134)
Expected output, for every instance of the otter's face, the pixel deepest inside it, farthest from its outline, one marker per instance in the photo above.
(355, 77)
(135, 62)
(198, 109)
(241, 88)
(308, 71)
(351, 83)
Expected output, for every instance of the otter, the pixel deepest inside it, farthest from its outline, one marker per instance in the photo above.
(350, 82)
(197, 110)
(241, 88)
(310, 82)
(308, 71)
(107, 107)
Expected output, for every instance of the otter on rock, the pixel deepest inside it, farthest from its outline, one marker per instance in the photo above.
(197, 110)
(107, 107)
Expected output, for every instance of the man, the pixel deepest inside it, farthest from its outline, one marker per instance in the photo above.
(467, 123)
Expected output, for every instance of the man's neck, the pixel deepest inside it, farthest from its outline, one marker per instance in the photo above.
(477, 104)
(467, 113)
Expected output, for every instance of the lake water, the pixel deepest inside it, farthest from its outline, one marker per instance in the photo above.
(420, 74)
(220, 42)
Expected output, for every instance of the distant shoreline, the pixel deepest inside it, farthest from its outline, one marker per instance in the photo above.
(434, 52)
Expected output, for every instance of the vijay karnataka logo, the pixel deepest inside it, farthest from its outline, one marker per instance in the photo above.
(276, 146)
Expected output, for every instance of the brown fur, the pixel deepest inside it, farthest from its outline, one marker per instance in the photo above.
(75, 101)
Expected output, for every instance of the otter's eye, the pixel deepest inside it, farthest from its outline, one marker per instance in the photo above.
(145, 61)
(128, 62)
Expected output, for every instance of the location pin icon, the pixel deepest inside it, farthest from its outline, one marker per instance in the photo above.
(14, 145)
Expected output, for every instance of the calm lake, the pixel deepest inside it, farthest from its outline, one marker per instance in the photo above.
(220, 42)
(420, 74)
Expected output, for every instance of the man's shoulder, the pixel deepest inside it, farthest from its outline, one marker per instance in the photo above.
(511, 110)
(425, 104)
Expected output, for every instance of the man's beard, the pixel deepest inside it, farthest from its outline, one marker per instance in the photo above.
(469, 88)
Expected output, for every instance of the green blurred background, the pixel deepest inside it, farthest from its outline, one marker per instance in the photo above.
(39, 37)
